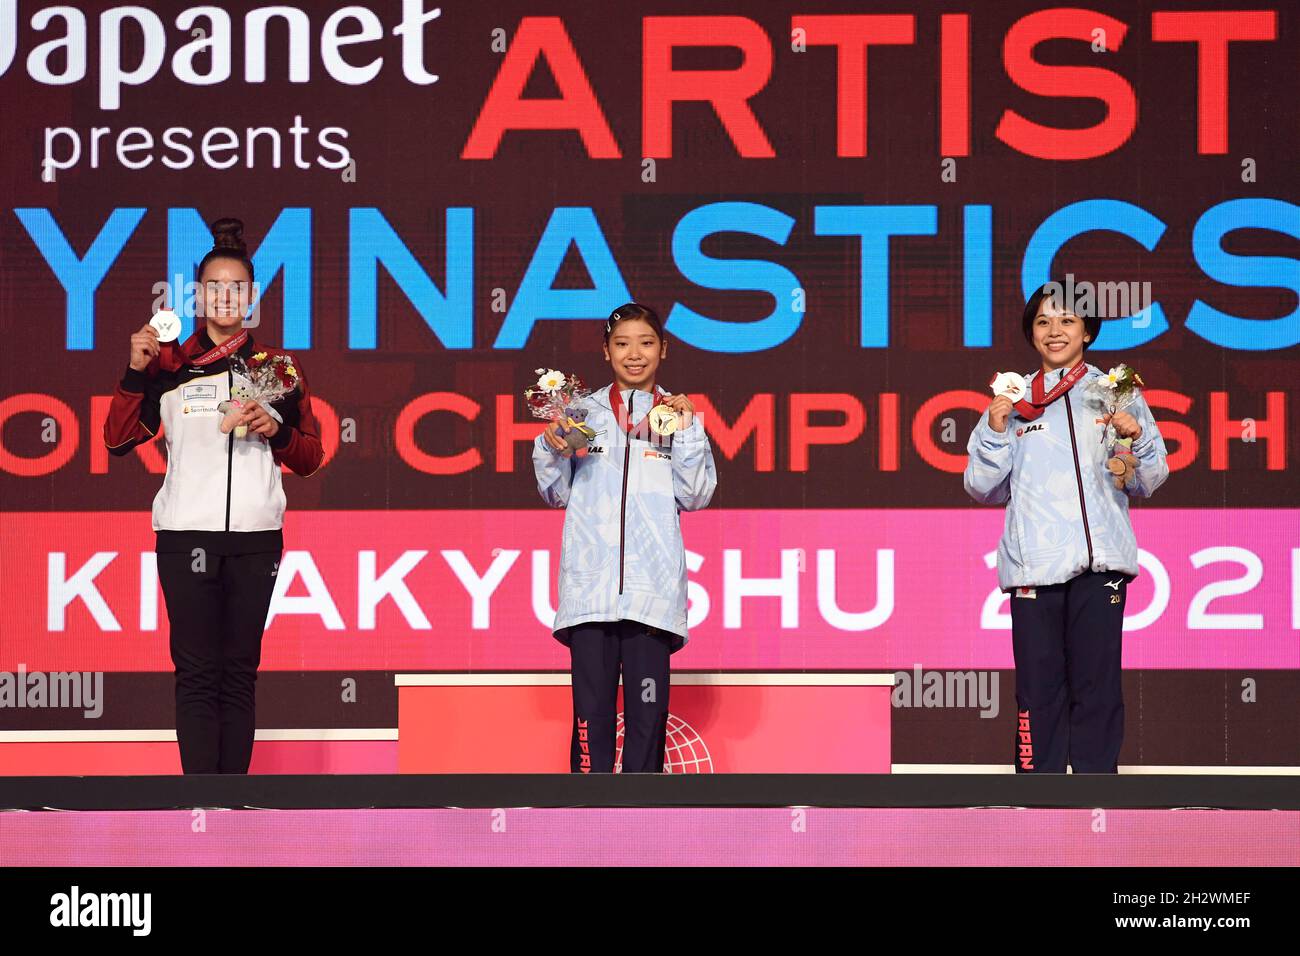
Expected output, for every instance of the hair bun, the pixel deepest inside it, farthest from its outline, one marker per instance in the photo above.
(229, 234)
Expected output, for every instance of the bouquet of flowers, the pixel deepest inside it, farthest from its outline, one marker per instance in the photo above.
(1117, 389)
(555, 398)
(263, 379)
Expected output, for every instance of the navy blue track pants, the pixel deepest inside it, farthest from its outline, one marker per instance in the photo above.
(1067, 640)
(599, 650)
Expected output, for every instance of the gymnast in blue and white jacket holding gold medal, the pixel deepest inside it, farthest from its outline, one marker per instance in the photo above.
(622, 587)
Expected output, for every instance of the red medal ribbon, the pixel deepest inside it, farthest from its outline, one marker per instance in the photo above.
(1032, 407)
(621, 414)
(228, 347)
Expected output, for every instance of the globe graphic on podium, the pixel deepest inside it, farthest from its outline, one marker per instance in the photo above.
(684, 749)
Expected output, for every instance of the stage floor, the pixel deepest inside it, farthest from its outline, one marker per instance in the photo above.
(433, 791)
(650, 820)
(686, 836)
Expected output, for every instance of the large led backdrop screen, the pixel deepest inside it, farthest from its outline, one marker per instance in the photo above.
(838, 208)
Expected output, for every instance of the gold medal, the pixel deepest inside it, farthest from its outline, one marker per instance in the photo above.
(663, 420)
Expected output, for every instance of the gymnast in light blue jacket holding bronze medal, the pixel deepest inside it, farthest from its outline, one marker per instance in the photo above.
(1058, 448)
(640, 458)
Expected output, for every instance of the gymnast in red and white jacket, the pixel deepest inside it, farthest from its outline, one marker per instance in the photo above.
(215, 482)
(219, 513)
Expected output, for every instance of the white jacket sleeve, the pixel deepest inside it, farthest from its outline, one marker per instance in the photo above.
(1149, 450)
(554, 473)
(694, 477)
(988, 470)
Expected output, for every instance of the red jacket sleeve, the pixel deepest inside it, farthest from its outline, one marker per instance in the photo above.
(133, 416)
(297, 441)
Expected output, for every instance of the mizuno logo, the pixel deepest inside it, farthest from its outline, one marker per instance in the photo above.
(1115, 584)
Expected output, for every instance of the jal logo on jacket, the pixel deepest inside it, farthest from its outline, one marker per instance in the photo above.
(1035, 427)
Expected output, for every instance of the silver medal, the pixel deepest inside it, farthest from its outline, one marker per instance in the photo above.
(167, 324)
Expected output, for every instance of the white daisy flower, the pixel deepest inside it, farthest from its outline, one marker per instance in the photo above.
(1111, 378)
(551, 381)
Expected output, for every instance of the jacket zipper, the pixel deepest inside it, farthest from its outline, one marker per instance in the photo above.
(622, 507)
(230, 449)
(1078, 477)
